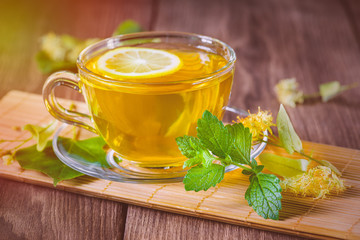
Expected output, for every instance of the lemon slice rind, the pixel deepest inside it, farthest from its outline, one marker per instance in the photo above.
(135, 62)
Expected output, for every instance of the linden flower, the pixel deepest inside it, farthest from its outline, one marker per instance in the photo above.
(287, 92)
(63, 47)
(52, 45)
(316, 182)
(7, 159)
(257, 123)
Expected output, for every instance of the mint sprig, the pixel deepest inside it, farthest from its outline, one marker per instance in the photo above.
(217, 146)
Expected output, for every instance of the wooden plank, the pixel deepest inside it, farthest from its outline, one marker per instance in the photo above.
(32, 212)
(299, 216)
(352, 8)
(309, 40)
(144, 223)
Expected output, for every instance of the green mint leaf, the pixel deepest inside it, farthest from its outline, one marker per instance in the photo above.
(127, 26)
(41, 134)
(208, 158)
(288, 137)
(258, 169)
(192, 162)
(241, 143)
(253, 163)
(247, 172)
(189, 146)
(214, 135)
(46, 162)
(202, 178)
(283, 166)
(264, 195)
(332, 89)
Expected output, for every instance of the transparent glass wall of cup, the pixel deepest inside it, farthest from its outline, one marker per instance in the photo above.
(140, 120)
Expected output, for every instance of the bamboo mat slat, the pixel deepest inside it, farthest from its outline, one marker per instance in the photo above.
(334, 217)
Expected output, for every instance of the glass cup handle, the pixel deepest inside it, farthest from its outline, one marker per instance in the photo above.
(62, 114)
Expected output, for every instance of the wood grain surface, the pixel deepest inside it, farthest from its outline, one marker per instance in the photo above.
(314, 41)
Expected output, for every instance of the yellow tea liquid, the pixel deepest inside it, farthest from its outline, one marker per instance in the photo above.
(140, 120)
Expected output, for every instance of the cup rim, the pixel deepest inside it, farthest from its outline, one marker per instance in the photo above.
(204, 78)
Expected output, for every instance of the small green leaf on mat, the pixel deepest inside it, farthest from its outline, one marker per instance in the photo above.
(283, 166)
(41, 134)
(264, 195)
(89, 149)
(332, 89)
(46, 162)
(127, 26)
(288, 137)
(201, 178)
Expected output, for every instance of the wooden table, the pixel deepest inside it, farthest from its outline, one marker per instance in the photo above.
(314, 41)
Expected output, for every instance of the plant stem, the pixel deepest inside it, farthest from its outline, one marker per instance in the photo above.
(241, 166)
(309, 157)
(312, 95)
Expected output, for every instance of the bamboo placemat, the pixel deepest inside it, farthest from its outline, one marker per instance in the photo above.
(335, 217)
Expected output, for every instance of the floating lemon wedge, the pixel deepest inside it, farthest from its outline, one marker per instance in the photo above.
(134, 62)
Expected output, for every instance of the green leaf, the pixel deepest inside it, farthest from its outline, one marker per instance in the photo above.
(241, 143)
(192, 162)
(214, 135)
(329, 90)
(253, 163)
(258, 169)
(189, 145)
(192, 149)
(89, 149)
(247, 172)
(128, 26)
(47, 65)
(41, 134)
(332, 89)
(201, 178)
(283, 166)
(288, 137)
(264, 195)
(45, 162)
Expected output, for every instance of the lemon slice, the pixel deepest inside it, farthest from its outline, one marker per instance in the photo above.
(134, 62)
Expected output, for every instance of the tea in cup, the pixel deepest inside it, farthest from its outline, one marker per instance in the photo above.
(146, 89)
